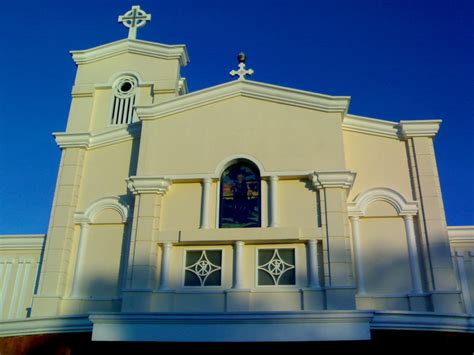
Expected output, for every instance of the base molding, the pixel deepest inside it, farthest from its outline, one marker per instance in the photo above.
(240, 326)
(233, 327)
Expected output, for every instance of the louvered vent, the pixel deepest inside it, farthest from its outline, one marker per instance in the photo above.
(124, 90)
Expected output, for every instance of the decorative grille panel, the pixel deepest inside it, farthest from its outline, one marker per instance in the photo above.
(276, 267)
(203, 268)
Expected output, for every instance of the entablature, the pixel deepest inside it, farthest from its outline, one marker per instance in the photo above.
(247, 235)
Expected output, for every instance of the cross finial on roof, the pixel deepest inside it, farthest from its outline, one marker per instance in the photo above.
(242, 72)
(134, 19)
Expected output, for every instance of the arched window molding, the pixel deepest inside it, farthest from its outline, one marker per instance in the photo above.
(87, 218)
(233, 159)
(392, 197)
(113, 203)
(406, 209)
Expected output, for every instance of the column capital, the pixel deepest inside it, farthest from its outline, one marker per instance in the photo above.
(339, 179)
(207, 180)
(239, 243)
(148, 184)
(81, 219)
(273, 178)
(354, 218)
(408, 217)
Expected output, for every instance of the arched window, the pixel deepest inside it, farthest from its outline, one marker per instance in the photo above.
(240, 197)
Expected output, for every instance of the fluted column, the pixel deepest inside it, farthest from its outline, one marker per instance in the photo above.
(413, 255)
(359, 266)
(238, 280)
(165, 261)
(313, 274)
(273, 201)
(206, 191)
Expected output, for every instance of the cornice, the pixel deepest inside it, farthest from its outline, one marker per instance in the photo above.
(461, 233)
(372, 126)
(22, 241)
(151, 49)
(390, 129)
(72, 140)
(425, 128)
(92, 141)
(340, 179)
(245, 88)
(148, 184)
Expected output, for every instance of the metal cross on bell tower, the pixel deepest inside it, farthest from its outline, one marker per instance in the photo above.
(242, 72)
(134, 19)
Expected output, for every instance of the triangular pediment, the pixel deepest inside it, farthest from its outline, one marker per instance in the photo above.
(245, 88)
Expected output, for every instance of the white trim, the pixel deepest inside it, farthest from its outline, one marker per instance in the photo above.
(325, 179)
(237, 272)
(235, 327)
(165, 265)
(360, 124)
(117, 75)
(265, 175)
(245, 88)
(113, 135)
(430, 321)
(22, 241)
(173, 323)
(134, 46)
(461, 233)
(111, 202)
(403, 207)
(45, 325)
(206, 185)
(236, 158)
(148, 184)
(425, 128)
(72, 140)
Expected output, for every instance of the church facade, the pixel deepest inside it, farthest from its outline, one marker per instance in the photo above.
(242, 212)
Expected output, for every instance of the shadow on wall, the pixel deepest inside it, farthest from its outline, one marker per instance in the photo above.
(393, 274)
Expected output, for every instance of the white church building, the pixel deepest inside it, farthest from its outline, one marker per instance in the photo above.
(244, 212)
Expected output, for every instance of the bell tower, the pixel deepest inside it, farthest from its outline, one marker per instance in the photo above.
(99, 152)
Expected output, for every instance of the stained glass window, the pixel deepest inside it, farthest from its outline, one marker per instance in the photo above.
(240, 197)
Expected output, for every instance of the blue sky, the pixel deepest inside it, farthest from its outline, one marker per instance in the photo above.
(398, 60)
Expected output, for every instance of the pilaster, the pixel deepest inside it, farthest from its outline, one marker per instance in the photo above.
(432, 221)
(333, 188)
(142, 265)
(60, 234)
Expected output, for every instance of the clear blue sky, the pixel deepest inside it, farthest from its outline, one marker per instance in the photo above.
(398, 60)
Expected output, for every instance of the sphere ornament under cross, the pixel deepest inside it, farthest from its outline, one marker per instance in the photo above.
(242, 72)
(133, 19)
